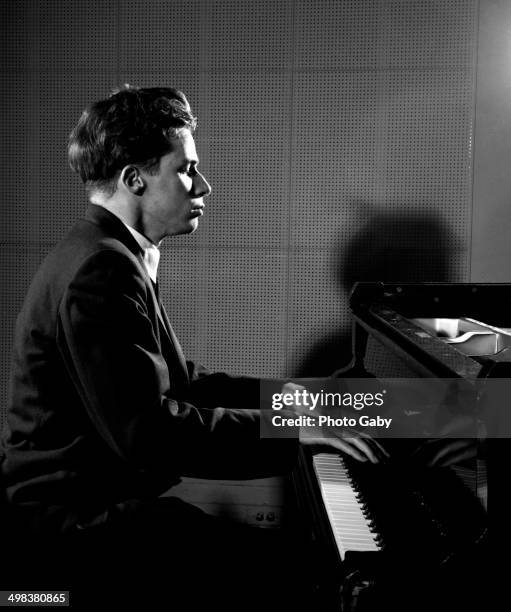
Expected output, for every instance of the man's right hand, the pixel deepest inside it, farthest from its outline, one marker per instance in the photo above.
(359, 446)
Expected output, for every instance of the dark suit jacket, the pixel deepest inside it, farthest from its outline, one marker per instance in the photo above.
(103, 406)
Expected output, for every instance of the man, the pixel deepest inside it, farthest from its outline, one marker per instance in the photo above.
(105, 413)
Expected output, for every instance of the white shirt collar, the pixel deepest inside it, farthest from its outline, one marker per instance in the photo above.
(151, 252)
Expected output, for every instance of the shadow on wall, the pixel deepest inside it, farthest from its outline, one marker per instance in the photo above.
(411, 248)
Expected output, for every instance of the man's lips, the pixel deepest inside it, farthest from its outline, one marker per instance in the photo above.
(197, 210)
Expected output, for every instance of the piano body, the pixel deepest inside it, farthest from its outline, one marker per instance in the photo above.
(401, 535)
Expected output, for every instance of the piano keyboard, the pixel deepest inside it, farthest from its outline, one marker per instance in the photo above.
(347, 516)
(475, 480)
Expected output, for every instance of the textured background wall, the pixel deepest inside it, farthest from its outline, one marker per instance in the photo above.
(345, 140)
(491, 225)
(337, 136)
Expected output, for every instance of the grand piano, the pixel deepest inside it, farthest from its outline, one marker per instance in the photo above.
(405, 535)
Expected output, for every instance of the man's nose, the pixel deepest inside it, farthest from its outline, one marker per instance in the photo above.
(201, 186)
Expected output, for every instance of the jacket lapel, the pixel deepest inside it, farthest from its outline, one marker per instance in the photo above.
(116, 228)
(169, 332)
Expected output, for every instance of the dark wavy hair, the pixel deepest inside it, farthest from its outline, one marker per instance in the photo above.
(132, 126)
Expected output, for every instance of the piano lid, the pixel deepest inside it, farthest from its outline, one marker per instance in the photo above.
(417, 322)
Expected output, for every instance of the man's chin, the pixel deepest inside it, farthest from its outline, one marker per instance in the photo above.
(189, 228)
(194, 224)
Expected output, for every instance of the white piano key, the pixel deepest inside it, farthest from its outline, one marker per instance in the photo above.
(347, 517)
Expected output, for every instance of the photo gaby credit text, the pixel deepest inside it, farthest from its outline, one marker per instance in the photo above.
(394, 408)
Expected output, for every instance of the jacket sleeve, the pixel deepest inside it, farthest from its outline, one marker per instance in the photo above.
(109, 344)
(207, 387)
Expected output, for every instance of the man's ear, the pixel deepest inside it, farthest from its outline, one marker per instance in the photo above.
(132, 179)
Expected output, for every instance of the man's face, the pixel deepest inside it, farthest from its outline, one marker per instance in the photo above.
(173, 200)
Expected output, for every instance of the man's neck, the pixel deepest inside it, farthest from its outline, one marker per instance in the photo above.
(126, 214)
(129, 212)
